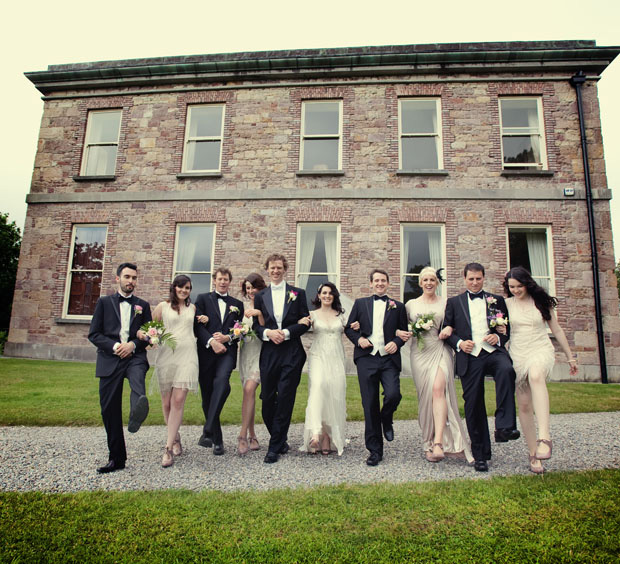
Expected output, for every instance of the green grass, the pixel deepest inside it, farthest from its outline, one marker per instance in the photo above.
(564, 517)
(35, 392)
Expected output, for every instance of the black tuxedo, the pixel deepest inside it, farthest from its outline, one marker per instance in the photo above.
(215, 369)
(375, 370)
(111, 369)
(472, 371)
(280, 365)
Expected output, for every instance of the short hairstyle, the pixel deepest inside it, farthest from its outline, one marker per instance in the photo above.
(255, 280)
(427, 270)
(274, 257)
(125, 265)
(379, 271)
(222, 270)
(473, 267)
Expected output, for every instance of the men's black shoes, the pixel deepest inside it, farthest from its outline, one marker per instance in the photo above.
(374, 459)
(285, 448)
(271, 457)
(138, 414)
(505, 435)
(205, 441)
(111, 466)
(481, 466)
(218, 450)
(388, 431)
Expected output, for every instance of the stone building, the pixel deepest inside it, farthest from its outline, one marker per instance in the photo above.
(342, 159)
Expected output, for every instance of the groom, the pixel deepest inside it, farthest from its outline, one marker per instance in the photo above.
(282, 354)
(480, 350)
(377, 357)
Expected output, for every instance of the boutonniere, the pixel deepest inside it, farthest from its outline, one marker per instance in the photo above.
(391, 305)
(233, 309)
(137, 310)
(491, 300)
(292, 296)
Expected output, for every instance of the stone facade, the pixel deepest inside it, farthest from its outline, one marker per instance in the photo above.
(259, 196)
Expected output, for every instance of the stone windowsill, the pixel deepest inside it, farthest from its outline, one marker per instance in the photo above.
(508, 172)
(423, 172)
(71, 320)
(217, 174)
(320, 173)
(100, 178)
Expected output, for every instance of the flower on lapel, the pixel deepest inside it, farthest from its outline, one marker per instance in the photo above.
(391, 304)
(137, 310)
(233, 309)
(292, 296)
(491, 300)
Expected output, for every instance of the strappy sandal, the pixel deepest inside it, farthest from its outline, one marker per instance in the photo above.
(168, 458)
(536, 469)
(242, 445)
(313, 445)
(177, 449)
(254, 443)
(546, 456)
(438, 457)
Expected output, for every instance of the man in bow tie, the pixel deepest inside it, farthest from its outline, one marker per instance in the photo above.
(480, 350)
(120, 355)
(282, 354)
(217, 354)
(377, 357)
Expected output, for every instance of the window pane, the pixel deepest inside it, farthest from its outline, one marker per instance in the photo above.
(411, 288)
(419, 152)
(100, 160)
(321, 154)
(103, 127)
(194, 248)
(201, 284)
(519, 113)
(84, 293)
(203, 155)
(418, 116)
(89, 248)
(322, 118)
(522, 149)
(319, 260)
(205, 121)
(528, 248)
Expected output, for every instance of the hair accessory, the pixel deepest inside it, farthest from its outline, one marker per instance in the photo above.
(439, 276)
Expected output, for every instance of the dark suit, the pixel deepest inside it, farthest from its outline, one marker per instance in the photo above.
(111, 369)
(472, 371)
(373, 370)
(215, 369)
(280, 365)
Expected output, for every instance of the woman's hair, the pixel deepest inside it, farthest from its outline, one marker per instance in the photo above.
(255, 280)
(179, 282)
(316, 302)
(543, 301)
(430, 270)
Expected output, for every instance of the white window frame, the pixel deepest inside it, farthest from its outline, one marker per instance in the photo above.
(325, 136)
(88, 144)
(403, 266)
(298, 272)
(71, 270)
(437, 135)
(525, 131)
(208, 138)
(550, 255)
(190, 273)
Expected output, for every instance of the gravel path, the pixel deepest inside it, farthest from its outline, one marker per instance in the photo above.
(64, 459)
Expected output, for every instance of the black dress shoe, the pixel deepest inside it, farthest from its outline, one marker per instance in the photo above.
(285, 448)
(505, 435)
(481, 466)
(205, 441)
(388, 431)
(271, 457)
(218, 450)
(374, 459)
(111, 466)
(138, 414)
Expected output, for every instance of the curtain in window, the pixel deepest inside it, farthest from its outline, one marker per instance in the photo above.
(186, 249)
(532, 121)
(434, 248)
(306, 253)
(330, 237)
(537, 250)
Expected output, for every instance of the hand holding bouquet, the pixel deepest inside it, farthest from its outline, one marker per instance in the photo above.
(422, 323)
(241, 331)
(155, 333)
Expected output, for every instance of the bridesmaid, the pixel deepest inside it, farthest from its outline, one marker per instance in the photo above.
(249, 371)
(433, 372)
(530, 311)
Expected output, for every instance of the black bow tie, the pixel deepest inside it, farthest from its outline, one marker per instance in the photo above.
(125, 299)
(382, 298)
(474, 296)
(221, 297)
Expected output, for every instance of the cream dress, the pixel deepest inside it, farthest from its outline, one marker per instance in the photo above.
(249, 353)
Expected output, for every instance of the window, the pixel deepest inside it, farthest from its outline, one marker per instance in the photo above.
(420, 134)
(422, 245)
(523, 142)
(530, 248)
(203, 138)
(85, 269)
(322, 131)
(193, 255)
(318, 256)
(101, 143)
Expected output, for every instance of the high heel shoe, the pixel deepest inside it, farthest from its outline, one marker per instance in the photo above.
(254, 443)
(536, 469)
(432, 457)
(177, 449)
(242, 445)
(547, 455)
(168, 458)
(313, 445)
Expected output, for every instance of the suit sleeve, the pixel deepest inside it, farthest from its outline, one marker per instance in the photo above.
(503, 339)
(298, 329)
(96, 334)
(352, 335)
(204, 335)
(146, 316)
(256, 326)
(449, 320)
(402, 325)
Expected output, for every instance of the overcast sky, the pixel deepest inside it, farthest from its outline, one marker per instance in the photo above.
(36, 34)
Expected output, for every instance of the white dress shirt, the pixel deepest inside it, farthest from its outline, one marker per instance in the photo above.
(125, 308)
(377, 337)
(278, 299)
(479, 325)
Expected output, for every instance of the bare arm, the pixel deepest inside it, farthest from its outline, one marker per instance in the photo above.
(560, 336)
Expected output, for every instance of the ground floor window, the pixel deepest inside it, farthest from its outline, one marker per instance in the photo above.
(193, 255)
(421, 245)
(530, 247)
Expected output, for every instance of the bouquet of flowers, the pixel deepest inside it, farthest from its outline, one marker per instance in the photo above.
(422, 323)
(242, 332)
(156, 332)
(496, 316)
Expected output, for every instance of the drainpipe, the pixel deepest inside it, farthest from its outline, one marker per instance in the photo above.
(577, 81)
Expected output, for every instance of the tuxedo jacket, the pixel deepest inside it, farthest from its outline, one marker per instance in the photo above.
(105, 329)
(395, 318)
(294, 310)
(457, 317)
(207, 304)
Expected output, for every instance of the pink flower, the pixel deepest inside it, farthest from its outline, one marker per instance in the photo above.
(391, 304)
(137, 309)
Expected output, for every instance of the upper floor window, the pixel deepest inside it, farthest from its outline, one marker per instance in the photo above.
(318, 256)
(85, 269)
(101, 143)
(421, 245)
(530, 247)
(523, 140)
(203, 138)
(193, 255)
(420, 134)
(321, 146)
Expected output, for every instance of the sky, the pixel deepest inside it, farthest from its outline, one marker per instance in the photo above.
(37, 34)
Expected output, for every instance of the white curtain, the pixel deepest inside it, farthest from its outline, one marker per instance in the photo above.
(189, 238)
(404, 260)
(532, 121)
(537, 250)
(434, 250)
(306, 253)
(330, 237)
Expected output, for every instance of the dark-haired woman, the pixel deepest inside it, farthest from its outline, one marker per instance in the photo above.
(176, 371)
(249, 355)
(326, 413)
(530, 311)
